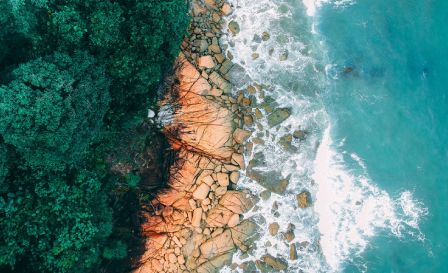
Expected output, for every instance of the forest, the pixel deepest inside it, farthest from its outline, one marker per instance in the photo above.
(77, 153)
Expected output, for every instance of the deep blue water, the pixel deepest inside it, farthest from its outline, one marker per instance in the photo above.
(388, 98)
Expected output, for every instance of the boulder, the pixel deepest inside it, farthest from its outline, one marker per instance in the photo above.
(289, 234)
(223, 179)
(196, 219)
(202, 45)
(278, 116)
(271, 180)
(214, 265)
(237, 75)
(234, 176)
(238, 159)
(214, 48)
(220, 191)
(265, 36)
(237, 202)
(234, 220)
(225, 67)
(286, 142)
(265, 195)
(303, 199)
(299, 134)
(234, 27)
(201, 192)
(248, 267)
(277, 264)
(241, 135)
(245, 234)
(218, 216)
(273, 228)
(293, 252)
(220, 82)
(220, 58)
(284, 55)
(218, 245)
(226, 9)
(206, 61)
(210, 3)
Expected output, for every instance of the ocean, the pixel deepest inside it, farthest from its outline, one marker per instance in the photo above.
(366, 82)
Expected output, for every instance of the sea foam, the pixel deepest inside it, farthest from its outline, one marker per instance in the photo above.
(349, 209)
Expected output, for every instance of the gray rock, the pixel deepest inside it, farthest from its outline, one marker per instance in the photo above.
(275, 263)
(278, 116)
(202, 45)
(234, 27)
(245, 234)
(237, 75)
(270, 180)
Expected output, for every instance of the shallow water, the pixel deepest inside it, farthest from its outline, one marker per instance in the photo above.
(366, 80)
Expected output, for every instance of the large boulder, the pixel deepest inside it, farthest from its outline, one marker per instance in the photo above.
(215, 264)
(271, 180)
(234, 27)
(278, 116)
(269, 263)
(245, 234)
(218, 216)
(218, 245)
(237, 75)
(237, 202)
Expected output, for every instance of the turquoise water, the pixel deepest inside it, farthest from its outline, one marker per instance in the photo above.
(388, 100)
(366, 81)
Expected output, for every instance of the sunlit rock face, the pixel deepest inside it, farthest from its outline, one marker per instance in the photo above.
(197, 223)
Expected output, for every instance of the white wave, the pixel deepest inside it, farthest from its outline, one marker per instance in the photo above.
(313, 5)
(352, 209)
(348, 209)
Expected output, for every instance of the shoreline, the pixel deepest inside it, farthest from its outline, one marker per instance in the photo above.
(196, 224)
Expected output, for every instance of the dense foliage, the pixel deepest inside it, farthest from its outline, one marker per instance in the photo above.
(76, 78)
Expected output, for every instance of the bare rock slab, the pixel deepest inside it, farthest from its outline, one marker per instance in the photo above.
(218, 245)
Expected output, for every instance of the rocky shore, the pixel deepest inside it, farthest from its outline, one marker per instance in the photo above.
(197, 223)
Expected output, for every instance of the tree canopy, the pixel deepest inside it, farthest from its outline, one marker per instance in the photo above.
(76, 78)
(52, 110)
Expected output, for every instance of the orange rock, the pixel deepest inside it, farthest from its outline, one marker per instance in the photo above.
(218, 216)
(237, 202)
(234, 220)
(199, 124)
(168, 197)
(223, 179)
(183, 204)
(156, 224)
(197, 215)
(241, 135)
(201, 192)
(153, 243)
(226, 9)
(207, 62)
(218, 245)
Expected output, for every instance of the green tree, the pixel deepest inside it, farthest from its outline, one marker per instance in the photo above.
(69, 26)
(105, 24)
(53, 109)
(4, 168)
(76, 78)
(58, 223)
